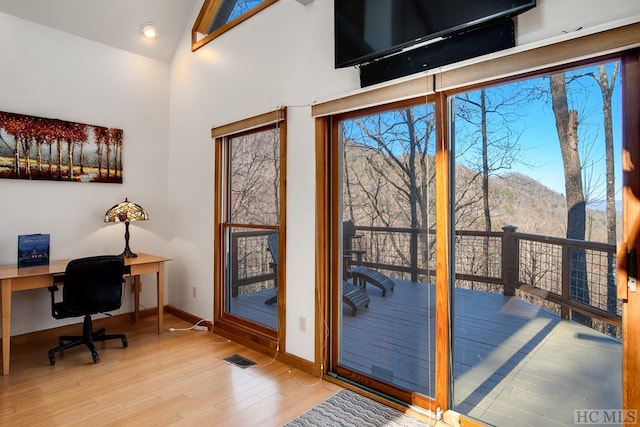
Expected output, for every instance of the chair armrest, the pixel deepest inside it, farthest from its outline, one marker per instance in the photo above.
(355, 251)
(359, 253)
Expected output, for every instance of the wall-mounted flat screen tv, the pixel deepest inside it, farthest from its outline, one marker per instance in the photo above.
(369, 29)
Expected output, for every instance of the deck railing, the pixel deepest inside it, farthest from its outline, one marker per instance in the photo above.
(564, 275)
(250, 261)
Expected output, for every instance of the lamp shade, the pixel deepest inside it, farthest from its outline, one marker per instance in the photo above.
(126, 212)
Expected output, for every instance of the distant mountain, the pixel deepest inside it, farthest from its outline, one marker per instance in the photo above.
(601, 205)
(375, 193)
(519, 200)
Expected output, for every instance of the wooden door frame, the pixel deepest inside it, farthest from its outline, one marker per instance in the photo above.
(631, 229)
(329, 263)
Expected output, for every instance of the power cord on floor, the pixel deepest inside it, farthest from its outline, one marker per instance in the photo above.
(307, 385)
(273, 358)
(195, 327)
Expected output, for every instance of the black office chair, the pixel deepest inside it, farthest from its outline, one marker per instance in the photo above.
(91, 285)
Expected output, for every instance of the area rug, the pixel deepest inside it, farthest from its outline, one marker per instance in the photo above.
(349, 409)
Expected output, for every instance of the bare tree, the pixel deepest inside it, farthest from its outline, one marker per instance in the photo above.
(348, 200)
(253, 169)
(606, 89)
(488, 140)
(567, 129)
(397, 145)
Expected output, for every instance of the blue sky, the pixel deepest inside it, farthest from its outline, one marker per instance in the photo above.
(540, 149)
(241, 7)
(532, 124)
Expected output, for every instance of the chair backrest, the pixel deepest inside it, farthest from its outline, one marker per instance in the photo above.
(348, 234)
(272, 244)
(348, 229)
(93, 284)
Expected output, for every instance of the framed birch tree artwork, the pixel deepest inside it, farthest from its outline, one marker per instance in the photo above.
(38, 148)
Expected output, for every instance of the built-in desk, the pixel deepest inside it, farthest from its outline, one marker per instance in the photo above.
(20, 279)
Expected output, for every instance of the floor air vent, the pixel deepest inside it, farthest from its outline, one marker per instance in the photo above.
(240, 361)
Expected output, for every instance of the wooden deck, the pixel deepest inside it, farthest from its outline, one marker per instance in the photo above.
(514, 363)
(252, 307)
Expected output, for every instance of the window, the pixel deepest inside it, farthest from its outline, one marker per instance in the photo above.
(218, 16)
(249, 213)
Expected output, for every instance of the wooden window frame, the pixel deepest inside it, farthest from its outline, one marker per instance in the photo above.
(231, 326)
(207, 13)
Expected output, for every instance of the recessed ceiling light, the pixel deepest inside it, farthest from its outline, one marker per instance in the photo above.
(149, 30)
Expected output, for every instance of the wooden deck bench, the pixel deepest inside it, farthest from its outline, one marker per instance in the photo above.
(363, 275)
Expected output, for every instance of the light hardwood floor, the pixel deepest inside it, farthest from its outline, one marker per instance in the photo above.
(177, 379)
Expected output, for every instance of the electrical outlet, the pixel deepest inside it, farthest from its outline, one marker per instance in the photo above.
(302, 324)
(194, 291)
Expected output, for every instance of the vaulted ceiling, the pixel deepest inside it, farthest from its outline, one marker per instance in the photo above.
(114, 23)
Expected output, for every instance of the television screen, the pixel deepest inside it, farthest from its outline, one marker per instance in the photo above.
(368, 29)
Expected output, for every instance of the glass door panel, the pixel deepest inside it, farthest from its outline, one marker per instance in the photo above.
(537, 213)
(386, 304)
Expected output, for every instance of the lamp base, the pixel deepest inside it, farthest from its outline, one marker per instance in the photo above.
(127, 253)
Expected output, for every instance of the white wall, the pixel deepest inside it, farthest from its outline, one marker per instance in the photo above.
(48, 73)
(552, 18)
(283, 56)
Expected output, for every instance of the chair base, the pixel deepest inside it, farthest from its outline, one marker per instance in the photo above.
(88, 338)
(355, 297)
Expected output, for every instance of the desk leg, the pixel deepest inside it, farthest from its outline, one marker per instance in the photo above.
(136, 297)
(160, 281)
(6, 325)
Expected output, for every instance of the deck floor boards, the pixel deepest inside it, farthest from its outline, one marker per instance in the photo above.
(514, 363)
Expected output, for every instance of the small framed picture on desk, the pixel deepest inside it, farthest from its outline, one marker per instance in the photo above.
(33, 250)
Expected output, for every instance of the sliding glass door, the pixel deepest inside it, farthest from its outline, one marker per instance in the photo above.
(383, 293)
(538, 209)
(524, 177)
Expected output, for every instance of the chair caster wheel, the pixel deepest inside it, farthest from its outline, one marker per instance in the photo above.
(125, 343)
(52, 359)
(95, 356)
